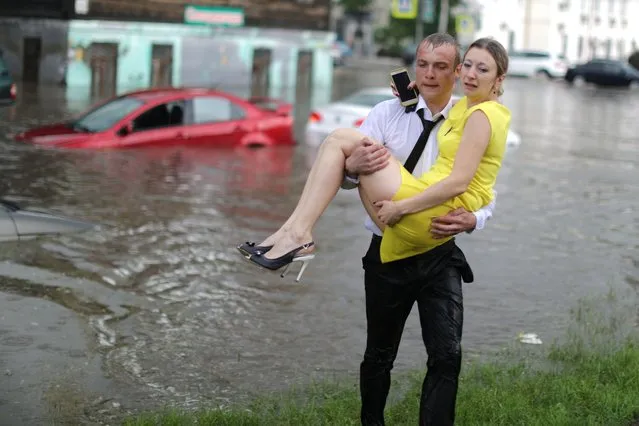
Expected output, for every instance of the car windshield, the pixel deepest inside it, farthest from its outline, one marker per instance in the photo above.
(3, 67)
(105, 116)
(366, 99)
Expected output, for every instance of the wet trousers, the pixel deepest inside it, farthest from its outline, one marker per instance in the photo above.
(434, 281)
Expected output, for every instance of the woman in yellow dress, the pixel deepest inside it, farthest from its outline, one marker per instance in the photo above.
(472, 143)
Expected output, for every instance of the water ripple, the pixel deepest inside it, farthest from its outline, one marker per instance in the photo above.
(180, 316)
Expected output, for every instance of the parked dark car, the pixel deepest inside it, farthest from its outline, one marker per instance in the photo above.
(8, 89)
(604, 72)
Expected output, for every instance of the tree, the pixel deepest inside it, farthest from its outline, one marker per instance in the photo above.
(399, 30)
(355, 6)
(356, 9)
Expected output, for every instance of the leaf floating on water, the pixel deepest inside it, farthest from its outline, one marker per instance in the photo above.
(529, 338)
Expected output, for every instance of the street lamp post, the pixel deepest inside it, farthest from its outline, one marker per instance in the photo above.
(419, 25)
(425, 12)
(444, 12)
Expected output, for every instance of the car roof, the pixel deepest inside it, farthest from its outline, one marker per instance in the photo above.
(168, 93)
(375, 91)
(605, 61)
(530, 51)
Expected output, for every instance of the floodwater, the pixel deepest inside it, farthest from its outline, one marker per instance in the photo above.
(156, 307)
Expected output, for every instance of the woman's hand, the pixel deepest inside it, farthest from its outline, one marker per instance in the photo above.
(389, 213)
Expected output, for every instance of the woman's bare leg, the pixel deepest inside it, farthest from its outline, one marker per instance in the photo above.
(323, 182)
(370, 208)
(271, 239)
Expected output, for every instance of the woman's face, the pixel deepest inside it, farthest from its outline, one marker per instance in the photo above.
(478, 75)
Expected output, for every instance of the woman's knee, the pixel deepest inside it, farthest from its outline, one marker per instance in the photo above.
(344, 137)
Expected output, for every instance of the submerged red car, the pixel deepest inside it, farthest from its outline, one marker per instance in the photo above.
(174, 116)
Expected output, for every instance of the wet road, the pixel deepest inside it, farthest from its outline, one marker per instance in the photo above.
(157, 308)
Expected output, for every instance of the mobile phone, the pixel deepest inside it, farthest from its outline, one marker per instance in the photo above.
(401, 80)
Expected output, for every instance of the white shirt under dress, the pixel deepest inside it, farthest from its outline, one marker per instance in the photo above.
(389, 123)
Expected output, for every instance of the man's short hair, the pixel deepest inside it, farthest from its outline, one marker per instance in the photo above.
(442, 39)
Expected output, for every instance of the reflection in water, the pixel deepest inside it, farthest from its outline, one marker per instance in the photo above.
(180, 317)
(60, 295)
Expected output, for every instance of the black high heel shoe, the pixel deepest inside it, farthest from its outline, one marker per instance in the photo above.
(249, 249)
(286, 260)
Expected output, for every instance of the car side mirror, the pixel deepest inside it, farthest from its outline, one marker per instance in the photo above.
(125, 130)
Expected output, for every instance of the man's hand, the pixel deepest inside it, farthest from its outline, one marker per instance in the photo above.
(411, 86)
(453, 223)
(367, 158)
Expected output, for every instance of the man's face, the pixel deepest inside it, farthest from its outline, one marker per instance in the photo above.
(435, 72)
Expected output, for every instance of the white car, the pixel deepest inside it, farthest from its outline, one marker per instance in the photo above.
(351, 112)
(532, 63)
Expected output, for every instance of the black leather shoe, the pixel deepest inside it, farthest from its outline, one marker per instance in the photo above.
(278, 262)
(249, 249)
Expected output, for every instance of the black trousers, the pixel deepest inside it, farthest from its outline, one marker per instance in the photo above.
(434, 281)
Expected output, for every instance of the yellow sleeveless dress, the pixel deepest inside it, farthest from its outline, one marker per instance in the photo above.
(411, 235)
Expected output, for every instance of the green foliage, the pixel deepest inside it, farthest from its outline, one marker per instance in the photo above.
(595, 390)
(590, 378)
(401, 32)
(355, 6)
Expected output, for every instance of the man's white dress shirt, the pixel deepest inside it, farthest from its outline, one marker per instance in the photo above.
(389, 124)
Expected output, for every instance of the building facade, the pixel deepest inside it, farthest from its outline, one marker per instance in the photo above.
(588, 29)
(578, 29)
(288, 14)
(108, 56)
(503, 20)
(35, 50)
(103, 47)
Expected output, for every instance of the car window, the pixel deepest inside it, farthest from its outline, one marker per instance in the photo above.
(366, 99)
(164, 115)
(540, 55)
(215, 109)
(612, 68)
(105, 116)
(594, 65)
(529, 54)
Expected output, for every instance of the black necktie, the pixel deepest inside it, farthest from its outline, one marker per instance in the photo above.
(411, 162)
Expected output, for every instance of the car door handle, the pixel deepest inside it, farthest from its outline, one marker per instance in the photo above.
(183, 135)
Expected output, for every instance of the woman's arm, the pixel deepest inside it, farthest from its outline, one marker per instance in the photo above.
(472, 147)
(373, 128)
